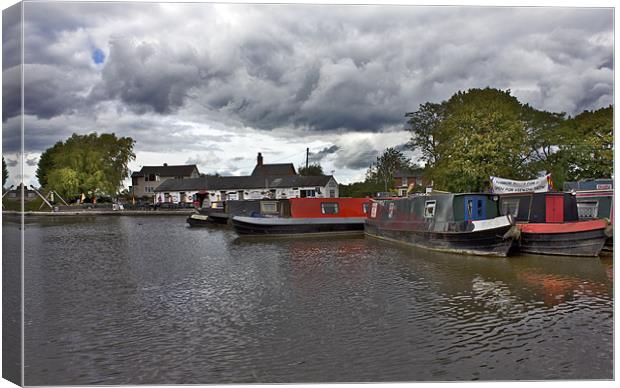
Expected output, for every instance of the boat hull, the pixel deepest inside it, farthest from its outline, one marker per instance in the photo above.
(583, 238)
(493, 241)
(258, 226)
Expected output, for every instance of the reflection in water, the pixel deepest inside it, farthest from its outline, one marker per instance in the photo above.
(124, 300)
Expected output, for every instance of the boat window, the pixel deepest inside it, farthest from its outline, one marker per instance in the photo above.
(587, 209)
(429, 209)
(365, 207)
(391, 210)
(329, 208)
(510, 206)
(268, 207)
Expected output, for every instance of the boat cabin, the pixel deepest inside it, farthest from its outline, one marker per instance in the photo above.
(542, 208)
(442, 212)
(595, 204)
(300, 207)
(329, 207)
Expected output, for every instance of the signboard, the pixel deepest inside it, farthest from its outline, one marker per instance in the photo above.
(604, 186)
(538, 185)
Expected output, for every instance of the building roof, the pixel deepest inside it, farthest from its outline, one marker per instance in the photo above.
(243, 182)
(165, 170)
(191, 184)
(274, 169)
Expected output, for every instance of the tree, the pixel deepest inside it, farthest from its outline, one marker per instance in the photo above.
(386, 166)
(314, 169)
(424, 125)
(471, 136)
(360, 189)
(586, 149)
(86, 163)
(5, 172)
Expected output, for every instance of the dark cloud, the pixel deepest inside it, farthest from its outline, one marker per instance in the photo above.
(146, 76)
(11, 162)
(32, 161)
(11, 36)
(318, 156)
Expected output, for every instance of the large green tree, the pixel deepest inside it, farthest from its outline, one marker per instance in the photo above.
(474, 135)
(386, 165)
(86, 163)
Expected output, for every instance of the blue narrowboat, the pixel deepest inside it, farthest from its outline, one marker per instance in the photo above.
(459, 223)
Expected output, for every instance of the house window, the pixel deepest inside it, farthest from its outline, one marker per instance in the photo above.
(429, 209)
(587, 209)
(30, 194)
(332, 193)
(404, 181)
(269, 207)
(150, 178)
(510, 206)
(307, 193)
(134, 181)
(329, 208)
(148, 189)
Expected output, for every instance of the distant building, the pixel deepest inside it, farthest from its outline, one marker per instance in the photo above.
(281, 182)
(406, 179)
(144, 182)
(16, 193)
(272, 169)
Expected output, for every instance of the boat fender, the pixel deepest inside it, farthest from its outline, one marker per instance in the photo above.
(609, 229)
(514, 232)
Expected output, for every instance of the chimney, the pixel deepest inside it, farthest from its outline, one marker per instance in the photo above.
(165, 164)
(259, 159)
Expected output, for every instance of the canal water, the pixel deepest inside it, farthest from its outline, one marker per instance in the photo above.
(132, 300)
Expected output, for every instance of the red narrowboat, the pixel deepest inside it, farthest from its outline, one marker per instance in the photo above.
(308, 216)
(550, 225)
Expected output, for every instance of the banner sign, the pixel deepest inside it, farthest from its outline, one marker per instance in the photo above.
(538, 185)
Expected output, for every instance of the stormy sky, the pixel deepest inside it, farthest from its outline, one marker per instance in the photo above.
(214, 84)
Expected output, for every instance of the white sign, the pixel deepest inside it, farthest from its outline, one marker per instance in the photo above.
(538, 185)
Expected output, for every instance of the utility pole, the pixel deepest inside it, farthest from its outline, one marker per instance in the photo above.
(307, 155)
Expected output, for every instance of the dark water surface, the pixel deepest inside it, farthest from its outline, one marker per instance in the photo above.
(130, 300)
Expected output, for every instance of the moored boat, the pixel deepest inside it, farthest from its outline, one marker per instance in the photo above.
(308, 216)
(459, 223)
(209, 215)
(549, 224)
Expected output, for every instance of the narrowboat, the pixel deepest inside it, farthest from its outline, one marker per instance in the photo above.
(308, 216)
(549, 224)
(458, 223)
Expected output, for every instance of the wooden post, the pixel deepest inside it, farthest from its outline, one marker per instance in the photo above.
(42, 197)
